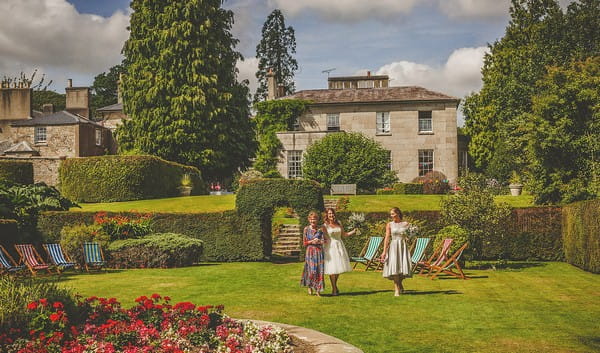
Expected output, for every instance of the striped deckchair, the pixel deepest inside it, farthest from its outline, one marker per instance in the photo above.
(58, 257)
(448, 265)
(93, 256)
(419, 252)
(7, 263)
(31, 258)
(369, 253)
(437, 258)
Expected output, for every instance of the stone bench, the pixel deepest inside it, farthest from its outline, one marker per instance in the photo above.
(343, 189)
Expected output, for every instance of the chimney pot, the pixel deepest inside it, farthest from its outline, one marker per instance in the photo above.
(70, 83)
(368, 73)
(48, 109)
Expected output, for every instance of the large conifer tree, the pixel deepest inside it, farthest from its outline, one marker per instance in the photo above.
(181, 88)
(274, 52)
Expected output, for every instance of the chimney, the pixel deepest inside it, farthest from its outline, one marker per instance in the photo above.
(280, 90)
(368, 73)
(78, 100)
(271, 85)
(48, 109)
(15, 102)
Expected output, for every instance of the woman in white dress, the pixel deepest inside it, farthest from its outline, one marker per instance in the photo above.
(396, 255)
(336, 256)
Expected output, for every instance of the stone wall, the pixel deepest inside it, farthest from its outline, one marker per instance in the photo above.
(15, 103)
(45, 169)
(62, 140)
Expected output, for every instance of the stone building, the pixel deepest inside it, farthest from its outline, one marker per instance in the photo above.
(417, 126)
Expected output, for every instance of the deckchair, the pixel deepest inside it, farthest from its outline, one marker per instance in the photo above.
(58, 257)
(7, 263)
(418, 252)
(31, 258)
(437, 258)
(93, 256)
(448, 265)
(369, 253)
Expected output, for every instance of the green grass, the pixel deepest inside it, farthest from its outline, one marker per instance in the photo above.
(533, 307)
(359, 203)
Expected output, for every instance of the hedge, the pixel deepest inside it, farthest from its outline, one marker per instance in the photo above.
(20, 172)
(9, 235)
(581, 234)
(402, 189)
(124, 178)
(226, 236)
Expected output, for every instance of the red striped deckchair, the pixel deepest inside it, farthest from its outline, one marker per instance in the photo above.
(437, 258)
(31, 258)
(448, 265)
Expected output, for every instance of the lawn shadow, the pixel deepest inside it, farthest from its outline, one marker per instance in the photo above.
(416, 292)
(593, 342)
(351, 294)
(493, 265)
(443, 277)
(281, 260)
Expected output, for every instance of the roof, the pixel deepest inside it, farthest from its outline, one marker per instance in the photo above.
(21, 147)
(59, 118)
(356, 78)
(111, 108)
(371, 95)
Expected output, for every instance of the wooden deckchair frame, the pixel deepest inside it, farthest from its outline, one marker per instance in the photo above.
(15, 267)
(366, 261)
(438, 257)
(447, 266)
(35, 263)
(61, 265)
(94, 264)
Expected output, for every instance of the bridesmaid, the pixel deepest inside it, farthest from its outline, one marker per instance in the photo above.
(314, 238)
(336, 256)
(396, 255)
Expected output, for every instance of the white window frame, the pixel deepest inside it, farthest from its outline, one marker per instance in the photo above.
(425, 121)
(425, 161)
(40, 135)
(382, 122)
(98, 137)
(390, 160)
(365, 84)
(294, 164)
(333, 122)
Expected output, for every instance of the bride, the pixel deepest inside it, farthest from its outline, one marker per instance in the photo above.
(336, 256)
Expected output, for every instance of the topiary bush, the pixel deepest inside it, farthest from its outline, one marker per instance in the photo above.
(160, 250)
(124, 178)
(581, 234)
(13, 171)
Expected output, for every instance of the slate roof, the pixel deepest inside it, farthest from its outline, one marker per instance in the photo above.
(371, 95)
(21, 147)
(58, 118)
(111, 108)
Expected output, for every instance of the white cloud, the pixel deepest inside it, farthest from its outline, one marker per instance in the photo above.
(247, 71)
(474, 8)
(347, 10)
(52, 36)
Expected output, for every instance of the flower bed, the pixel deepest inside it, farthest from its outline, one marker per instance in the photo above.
(152, 325)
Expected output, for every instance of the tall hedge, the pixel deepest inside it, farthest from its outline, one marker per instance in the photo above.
(13, 171)
(124, 178)
(581, 234)
(227, 236)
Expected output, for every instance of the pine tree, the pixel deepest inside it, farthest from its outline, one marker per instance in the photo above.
(181, 89)
(274, 52)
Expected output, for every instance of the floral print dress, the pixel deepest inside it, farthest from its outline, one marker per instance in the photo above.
(314, 267)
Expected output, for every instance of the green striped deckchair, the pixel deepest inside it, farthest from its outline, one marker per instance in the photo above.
(92, 255)
(419, 252)
(58, 257)
(369, 253)
(448, 265)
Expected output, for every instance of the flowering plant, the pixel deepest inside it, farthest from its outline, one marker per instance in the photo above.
(123, 227)
(356, 221)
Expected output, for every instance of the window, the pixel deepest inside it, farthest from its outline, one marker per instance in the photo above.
(383, 122)
(296, 124)
(333, 122)
(366, 84)
(389, 159)
(294, 164)
(425, 123)
(40, 135)
(425, 162)
(98, 137)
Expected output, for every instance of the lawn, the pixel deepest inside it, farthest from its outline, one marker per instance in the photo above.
(359, 203)
(532, 307)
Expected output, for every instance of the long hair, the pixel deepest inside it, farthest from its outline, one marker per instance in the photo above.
(335, 220)
(397, 211)
(312, 214)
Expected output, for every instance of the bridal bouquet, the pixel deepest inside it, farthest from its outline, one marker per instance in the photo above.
(356, 221)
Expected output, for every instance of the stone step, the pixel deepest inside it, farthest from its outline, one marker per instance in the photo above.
(330, 203)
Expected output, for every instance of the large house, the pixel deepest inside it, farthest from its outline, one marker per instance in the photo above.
(417, 126)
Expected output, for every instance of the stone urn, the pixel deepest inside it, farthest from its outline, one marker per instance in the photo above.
(185, 190)
(515, 189)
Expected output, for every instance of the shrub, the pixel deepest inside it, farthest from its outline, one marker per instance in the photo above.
(460, 237)
(9, 233)
(19, 172)
(581, 234)
(124, 178)
(402, 189)
(122, 226)
(72, 238)
(155, 250)
(433, 182)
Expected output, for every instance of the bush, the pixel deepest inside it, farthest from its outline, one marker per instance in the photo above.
(123, 227)
(124, 178)
(19, 172)
(72, 238)
(581, 234)
(433, 182)
(9, 233)
(155, 250)
(402, 189)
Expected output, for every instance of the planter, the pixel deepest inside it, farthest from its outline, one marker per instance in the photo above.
(185, 190)
(515, 189)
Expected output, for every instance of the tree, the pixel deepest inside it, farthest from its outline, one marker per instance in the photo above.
(274, 52)
(348, 158)
(181, 89)
(105, 87)
(41, 94)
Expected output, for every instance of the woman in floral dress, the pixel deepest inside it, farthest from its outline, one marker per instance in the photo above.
(313, 239)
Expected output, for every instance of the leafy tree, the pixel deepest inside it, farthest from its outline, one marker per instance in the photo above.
(563, 134)
(181, 89)
(41, 94)
(348, 158)
(105, 87)
(272, 117)
(274, 52)
(41, 97)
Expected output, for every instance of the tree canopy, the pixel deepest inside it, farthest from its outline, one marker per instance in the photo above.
(105, 87)
(181, 89)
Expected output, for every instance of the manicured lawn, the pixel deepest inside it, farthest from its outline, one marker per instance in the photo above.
(359, 203)
(533, 307)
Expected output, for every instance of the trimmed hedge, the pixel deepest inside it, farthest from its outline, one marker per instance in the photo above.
(19, 172)
(124, 178)
(159, 250)
(581, 234)
(227, 236)
(402, 189)
(9, 235)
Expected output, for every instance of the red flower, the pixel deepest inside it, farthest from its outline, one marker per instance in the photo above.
(58, 305)
(155, 296)
(54, 317)
(32, 306)
(44, 302)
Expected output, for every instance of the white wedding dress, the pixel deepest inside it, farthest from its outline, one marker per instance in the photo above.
(336, 256)
(398, 256)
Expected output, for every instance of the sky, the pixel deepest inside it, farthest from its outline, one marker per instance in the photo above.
(436, 44)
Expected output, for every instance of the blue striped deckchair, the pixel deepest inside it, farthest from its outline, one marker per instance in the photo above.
(418, 252)
(7, 263)
(448, 265)
(57, 256)
(369, 253)
(93, 257)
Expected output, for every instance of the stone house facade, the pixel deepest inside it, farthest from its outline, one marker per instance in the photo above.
(417, 126)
